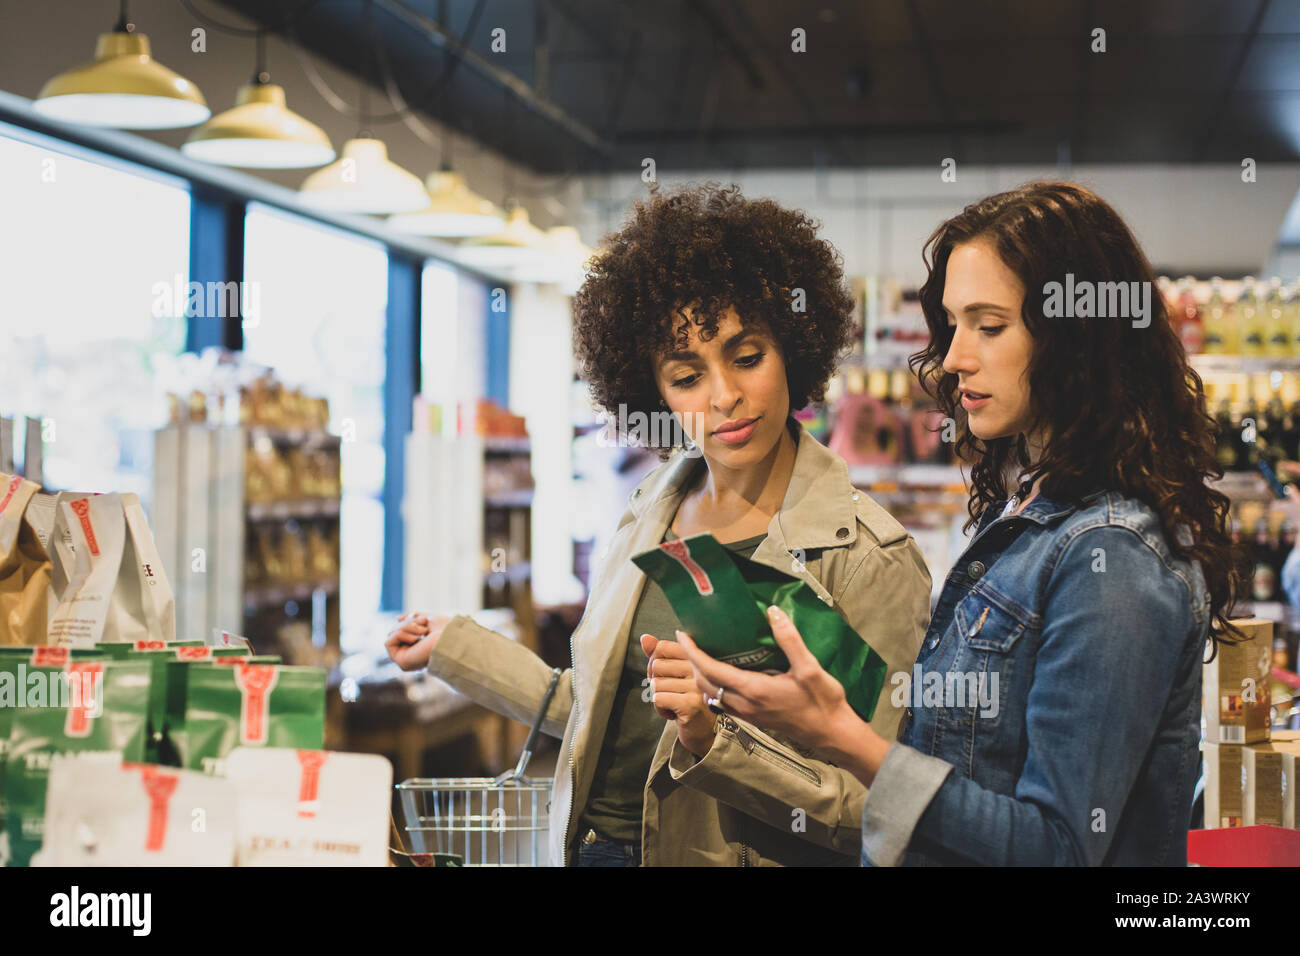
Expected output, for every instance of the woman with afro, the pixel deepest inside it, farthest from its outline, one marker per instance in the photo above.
(703, 325)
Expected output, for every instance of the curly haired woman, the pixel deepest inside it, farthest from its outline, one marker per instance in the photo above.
(1053, 715)
(720, 316)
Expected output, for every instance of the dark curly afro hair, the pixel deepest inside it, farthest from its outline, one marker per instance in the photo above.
(707, 247)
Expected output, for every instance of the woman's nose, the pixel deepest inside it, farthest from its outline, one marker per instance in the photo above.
(958, 359)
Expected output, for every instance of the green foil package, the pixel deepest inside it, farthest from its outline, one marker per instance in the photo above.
(15, 664)
(721, 598)
(248, 705)
(112, 719)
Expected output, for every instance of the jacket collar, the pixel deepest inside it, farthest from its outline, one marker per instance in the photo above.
(817, 511)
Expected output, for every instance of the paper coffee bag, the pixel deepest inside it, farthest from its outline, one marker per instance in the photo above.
(310, 807)
(100, 811)
(24, 567)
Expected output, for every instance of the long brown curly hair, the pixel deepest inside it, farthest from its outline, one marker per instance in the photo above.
(1122, 408)
(708, 247)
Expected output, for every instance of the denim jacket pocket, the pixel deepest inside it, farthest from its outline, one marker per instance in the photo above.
(986, 621)
(988, 629)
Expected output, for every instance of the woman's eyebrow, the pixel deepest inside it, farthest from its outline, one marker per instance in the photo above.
(687, 355)
(976, 307)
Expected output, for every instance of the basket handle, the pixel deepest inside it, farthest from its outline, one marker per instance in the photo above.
(522, 765)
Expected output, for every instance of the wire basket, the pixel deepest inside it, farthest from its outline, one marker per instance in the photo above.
(478, 819)
(482, 821)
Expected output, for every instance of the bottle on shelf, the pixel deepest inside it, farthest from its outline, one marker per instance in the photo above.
(1186, 313)
(1220, 322)
(1247, 430)
(1264, 581)
(1278, 343)
(1291, 316)
(1229, 434)
(1254, 333)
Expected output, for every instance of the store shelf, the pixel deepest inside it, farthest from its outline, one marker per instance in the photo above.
(306, 437)
(1244, 364)
(507, 444)
(888, 362)
(521, 498)
(911, 476)
(273, 595)
(1243, 486)
(283, 510)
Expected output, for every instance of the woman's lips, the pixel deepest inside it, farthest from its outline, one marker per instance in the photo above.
(737, 436)
(972, 400)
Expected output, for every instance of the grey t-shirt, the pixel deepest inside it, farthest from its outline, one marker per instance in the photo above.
(614, 806)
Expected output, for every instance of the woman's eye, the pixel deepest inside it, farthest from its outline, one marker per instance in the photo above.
(749, 361)
(991, 330)
(685, 382)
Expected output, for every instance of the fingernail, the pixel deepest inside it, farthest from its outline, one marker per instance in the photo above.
(680, 634)
(774, 612)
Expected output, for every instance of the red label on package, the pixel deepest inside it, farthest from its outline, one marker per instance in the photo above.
(81, 508)
(86, 679)
(679, 551)
(194, 653)
(14, 482)
(151, 645)
(254, 682)
(49, 656)
(160, 786)
(309, 783)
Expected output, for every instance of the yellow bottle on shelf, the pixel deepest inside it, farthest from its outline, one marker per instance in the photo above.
(1278, 331)
(1219, 333)
(1291, 317)
(1254, 334)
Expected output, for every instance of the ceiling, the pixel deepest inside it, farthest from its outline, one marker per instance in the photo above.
(601, 84)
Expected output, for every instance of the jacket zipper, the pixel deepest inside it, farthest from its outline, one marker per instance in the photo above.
(573, 770)
(749, 743)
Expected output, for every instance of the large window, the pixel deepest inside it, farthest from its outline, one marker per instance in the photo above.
(320, 324)
(89, 256)
(452, 340)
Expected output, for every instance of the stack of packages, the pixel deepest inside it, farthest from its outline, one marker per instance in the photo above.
(1250, 769)
(120, 745)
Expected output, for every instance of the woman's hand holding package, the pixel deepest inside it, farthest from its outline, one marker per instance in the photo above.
(675, 695)
(805, 703)
(411, 642)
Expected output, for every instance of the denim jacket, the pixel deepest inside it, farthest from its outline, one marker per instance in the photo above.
(1053, 710)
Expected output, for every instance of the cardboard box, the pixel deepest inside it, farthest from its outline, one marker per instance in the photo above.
(1285, 736)
(1261, 785)
(1289, 751)
(1223, 785)
(1236, 687)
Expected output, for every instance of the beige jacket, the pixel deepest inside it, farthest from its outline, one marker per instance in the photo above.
(752, 799)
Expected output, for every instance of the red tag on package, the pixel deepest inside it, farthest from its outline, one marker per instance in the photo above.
(86, 681)
(254, 682)
(311, 761)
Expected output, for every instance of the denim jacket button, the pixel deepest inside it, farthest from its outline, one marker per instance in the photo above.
(933, 642)
(976, 570)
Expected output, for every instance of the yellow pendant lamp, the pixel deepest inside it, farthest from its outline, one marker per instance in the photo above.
(562, 262)
(519, 245)
(124, 87)
(364, 180)
(454, 211)
(260, 132)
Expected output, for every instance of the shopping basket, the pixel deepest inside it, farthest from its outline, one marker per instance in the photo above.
(482, 821)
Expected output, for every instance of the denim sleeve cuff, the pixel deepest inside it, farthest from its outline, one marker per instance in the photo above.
(903, 787)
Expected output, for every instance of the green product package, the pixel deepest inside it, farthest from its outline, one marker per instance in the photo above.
(15, 663)
(721, 598)
(176, 682)
(115, 719)
(158, 654)
(249, 705)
